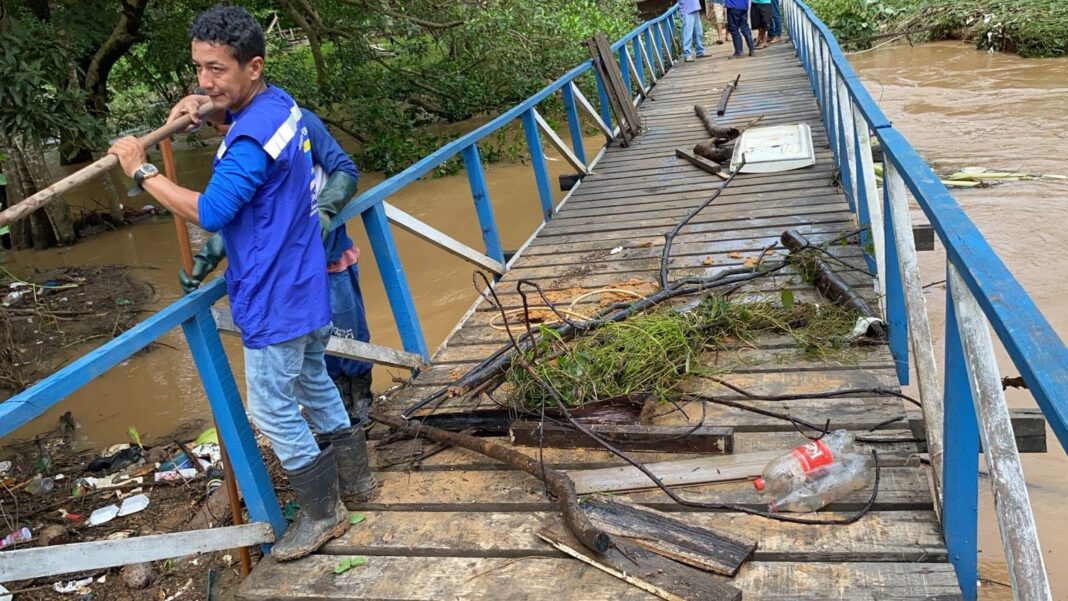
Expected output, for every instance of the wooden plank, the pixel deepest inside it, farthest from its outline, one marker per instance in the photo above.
(673, 473)
(559, 144)
(604, 66)
(539, 578)
(707, 549)
(701, 163)
(665, 578)
(339, 347)
(721, 108)
(1028, 428)
(678, 439)
(441, 240)
(21, 564)
(632, 118)
(1016, 523)
(590, 111)
(881, 536)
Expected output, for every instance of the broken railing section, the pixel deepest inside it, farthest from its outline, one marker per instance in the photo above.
(644, 54)
(965, 404)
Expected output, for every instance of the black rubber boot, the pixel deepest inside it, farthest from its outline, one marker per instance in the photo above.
(357, 481)
(361, 398)
(322, 514)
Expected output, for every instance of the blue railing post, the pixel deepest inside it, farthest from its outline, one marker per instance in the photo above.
(537, 163)
(602, 100)
(665, 41)
(624, 72)
(896, 315)
(233, 427)
(396, 285)
(574, 126)
(654, 51)
(960, 460)
(639, 61)
(483, 208)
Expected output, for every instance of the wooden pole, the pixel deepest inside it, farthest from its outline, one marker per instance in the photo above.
(186, 252)
(93, 170)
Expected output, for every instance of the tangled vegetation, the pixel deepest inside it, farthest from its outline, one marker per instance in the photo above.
(1030, 28)
(655, 352)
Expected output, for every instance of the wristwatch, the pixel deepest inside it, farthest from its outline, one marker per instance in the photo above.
(145, 171)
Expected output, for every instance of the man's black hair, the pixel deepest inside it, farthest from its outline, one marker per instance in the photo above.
(232, 27)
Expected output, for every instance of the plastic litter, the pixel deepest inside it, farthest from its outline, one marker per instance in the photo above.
(209, 435)
(827, 484)
(5, 595)
(616, 250)
(133, 504)
(72, 586)
(40, 486)
(19, 536)
(103, 515)
(5, 467)
(788, 471)
(176, 475)
(116, 461)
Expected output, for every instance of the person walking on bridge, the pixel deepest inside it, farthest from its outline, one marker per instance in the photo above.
(738, 26)
(260, 198)
(692, 32)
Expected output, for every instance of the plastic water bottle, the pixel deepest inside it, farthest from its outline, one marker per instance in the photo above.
(827, 484)
(40, 486)
(788, 471)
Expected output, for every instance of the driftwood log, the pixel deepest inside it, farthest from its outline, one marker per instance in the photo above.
(558, 482)
(714, 130)
(712, 152)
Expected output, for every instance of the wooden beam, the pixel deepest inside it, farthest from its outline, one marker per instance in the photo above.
(592, 113)
(559, 144)
(663, 577)
(701, 163)
(443, 241)
(622, 92)
(339, 347)
(702, 470)
(666, 439)
(1028, 428)
(721, 109)
(39, 562)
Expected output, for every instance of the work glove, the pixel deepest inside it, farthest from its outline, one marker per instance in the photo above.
(204, 262)
(338, 190)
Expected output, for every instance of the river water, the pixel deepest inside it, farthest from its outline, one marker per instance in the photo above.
(958, 106)
(961, 107)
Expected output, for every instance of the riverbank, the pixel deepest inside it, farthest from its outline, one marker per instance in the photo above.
(1030, 28)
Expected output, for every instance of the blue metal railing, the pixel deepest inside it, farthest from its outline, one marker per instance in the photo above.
(851, 117)
(193, 311)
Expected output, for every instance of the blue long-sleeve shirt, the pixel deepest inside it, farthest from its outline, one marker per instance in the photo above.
(689, 6)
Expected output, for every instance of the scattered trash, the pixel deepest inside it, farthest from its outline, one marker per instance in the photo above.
(184, 588)
(616, 250)
(5, 467)
(73, 586)
(118, 460)
(139, 576)
(5, 595)
(815, 474)
(348, 563)
(788, 470)
(866, 326)
(19, 536)
(356, 518)
(123, 302)
(121, 534)
(115, 448)
(40, 486)
(289, 511)
(103, 515)
(176, 475)
(209, 435)
(827, 484)
(133, 505)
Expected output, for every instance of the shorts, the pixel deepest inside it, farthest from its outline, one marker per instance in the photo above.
(719, 13)
(760, 16)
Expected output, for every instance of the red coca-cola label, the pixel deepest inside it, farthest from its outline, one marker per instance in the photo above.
(812, 455)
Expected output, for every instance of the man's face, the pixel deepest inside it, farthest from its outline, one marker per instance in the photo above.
(229, 84)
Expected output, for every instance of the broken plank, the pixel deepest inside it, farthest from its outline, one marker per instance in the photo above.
(721, 108)
(649, 571)
(701, 547)
(1028, 426)
(701, 163)
(702, 470)
(679, 439)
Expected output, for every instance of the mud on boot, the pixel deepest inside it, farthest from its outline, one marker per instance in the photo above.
(356, 395)
(355, 477)
(322, 514)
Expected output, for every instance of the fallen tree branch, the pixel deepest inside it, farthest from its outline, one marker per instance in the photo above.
(559, 483)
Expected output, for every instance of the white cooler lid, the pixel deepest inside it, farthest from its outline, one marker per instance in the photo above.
(774, 148)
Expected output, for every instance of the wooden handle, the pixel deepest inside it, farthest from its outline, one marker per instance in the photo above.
(93, 170)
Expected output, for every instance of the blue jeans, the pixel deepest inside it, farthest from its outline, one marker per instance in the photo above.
(280, 379)
(350, 321)
(692, 33)
(738, 25)
(776, 20)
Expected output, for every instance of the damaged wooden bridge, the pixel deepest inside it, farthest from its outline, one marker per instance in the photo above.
(450, 523)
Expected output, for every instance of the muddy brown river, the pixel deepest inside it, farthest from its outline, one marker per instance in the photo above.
(959, 107)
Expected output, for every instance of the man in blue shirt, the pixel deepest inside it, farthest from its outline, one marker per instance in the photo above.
(738, 25)
(335, 184)
(260, 199)
(692, 32)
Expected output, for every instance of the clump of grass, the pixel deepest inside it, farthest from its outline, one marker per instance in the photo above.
(654, 353)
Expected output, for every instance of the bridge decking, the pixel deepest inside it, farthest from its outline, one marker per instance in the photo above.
(463, 526)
